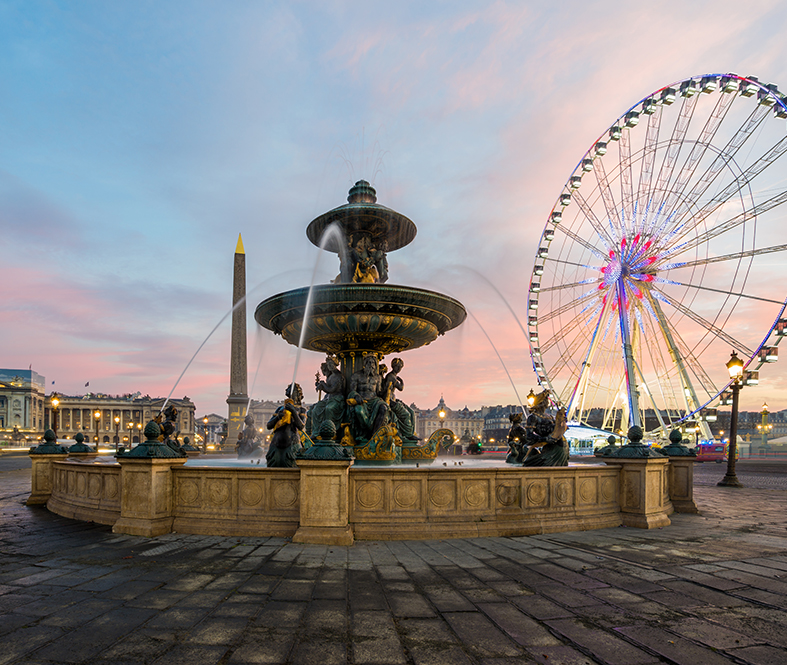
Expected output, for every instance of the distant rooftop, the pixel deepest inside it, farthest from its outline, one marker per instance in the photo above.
(25, 377)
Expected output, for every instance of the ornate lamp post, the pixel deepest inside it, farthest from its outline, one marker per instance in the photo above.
(735, 368)
(441, 416)
(205, 435)
(139, 432)
(117, 431)
(130, 427)
(531, 399)
(97, 416)
(764, 427)
(55, 403)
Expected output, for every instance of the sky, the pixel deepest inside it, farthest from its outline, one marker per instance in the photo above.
(138, 139)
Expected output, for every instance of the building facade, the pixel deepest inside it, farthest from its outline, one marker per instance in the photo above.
(458, 421)
(22, 404)
(497, 424)
(211, 428)
(113, 419)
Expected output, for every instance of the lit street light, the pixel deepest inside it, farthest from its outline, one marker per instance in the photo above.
(55, 403)
(97, 416)
(117, 432)
(735, 368)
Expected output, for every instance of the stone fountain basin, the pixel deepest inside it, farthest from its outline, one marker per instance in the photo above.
(347, 317)
(237, 498)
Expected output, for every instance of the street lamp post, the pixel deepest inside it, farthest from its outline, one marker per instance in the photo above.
(117, 432)
(139, 432)
(55, 403)
(205, 435)
(130, 427)
(97, 416)
(735, 368)
(764, 428)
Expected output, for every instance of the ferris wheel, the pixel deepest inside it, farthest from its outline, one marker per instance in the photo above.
(663, 254)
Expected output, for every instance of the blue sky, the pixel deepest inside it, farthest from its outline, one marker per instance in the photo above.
(139, 138)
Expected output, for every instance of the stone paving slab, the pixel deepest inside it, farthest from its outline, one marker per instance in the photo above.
(710, 588)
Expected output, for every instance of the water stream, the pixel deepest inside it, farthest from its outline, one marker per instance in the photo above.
(331, 231)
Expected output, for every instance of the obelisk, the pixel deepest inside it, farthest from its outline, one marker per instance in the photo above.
(238, 399)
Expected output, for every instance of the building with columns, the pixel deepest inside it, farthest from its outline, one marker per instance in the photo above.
(458, 421)
(124, 416)
(22, 399)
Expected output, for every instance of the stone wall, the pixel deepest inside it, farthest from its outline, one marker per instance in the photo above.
(383, 503)
(236, 501)
(399, 503)
(86, 491)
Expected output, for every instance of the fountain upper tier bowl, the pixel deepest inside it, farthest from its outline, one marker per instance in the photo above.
(352, 317)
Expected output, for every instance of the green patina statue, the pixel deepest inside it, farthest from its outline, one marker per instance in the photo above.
(544, 443)
(248, 445)
(287, 423)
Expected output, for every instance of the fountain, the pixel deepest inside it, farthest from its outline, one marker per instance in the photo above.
(357, 320)
(348, 483)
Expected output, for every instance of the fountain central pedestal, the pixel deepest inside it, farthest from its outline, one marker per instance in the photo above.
(359, 316)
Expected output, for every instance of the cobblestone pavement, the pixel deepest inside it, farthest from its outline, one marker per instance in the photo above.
(753, 474)
(711, 588)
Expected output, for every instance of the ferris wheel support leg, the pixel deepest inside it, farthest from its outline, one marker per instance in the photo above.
(628, 358)
(649, 394)
(689, 394)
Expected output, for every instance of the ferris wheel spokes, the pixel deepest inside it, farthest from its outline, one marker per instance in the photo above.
(592, 218)
(725, 156)
(707, 325)
(726, 293)
(688, 394)
(722, 227)
(675, 144)
(626, 186)
(648, 161)
(602, 184)
(728, 257)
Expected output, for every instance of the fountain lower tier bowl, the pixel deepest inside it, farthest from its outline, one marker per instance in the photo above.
(351, 317)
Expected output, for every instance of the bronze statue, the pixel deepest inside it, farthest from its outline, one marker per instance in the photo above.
(516, 439)
(368, 411)
(331, 407)
(248, 446)
(363, 261)
(403, 414)
(169, 431)
(545, 432)
(286, 423)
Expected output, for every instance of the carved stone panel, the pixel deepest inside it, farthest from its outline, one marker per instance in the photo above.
(537, 493)
(94, 486)
(588, 491)
(250, 493)
(188, 492)
(608, 490)
(563, 492)
(476, 494)
(407, 496)
(632, 491)
(369, 495)
(219, 492)
(508, 495)
(284, 493)
(442, 495)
